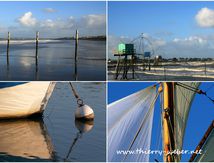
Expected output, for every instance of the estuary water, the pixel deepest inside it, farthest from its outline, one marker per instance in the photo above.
(57, 136)
(55, 61)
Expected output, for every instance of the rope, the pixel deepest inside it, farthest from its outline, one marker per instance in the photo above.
(159, 126)
(172, 132)
(189, 87)
(148, 113)
(209, 88)
(79, 100)
(199, 91)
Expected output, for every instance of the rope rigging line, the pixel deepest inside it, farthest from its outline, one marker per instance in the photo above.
(209, 88)
(172, 133)
(79, 100)
(199, 91)
(141, 126)
(159, 126)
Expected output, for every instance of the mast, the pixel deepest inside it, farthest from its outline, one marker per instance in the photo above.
(168, 120)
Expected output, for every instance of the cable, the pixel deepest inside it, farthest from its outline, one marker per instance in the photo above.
(79, 100)
(148, 113)
(209, 88)
(199, 91)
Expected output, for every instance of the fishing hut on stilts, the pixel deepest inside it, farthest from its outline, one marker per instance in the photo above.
(133, 56)
(126, 59)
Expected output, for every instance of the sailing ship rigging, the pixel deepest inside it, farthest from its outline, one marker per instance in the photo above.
(130, 120)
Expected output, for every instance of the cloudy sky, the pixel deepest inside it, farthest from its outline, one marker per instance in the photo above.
(176, 29)
(52, 19)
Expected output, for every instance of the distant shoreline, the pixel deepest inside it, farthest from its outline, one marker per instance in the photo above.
(93, 38)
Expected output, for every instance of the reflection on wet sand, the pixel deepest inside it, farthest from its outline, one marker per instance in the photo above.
(24, 140)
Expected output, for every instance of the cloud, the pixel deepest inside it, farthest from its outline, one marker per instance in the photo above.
(113, 42)
(49, 10)
(88, 25)
(94, 20)
(205, 18)
(47, 23)
(192, 46)
(27, 19)
(153, 43)
(192, 40)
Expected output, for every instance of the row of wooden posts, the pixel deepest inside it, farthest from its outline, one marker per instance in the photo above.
(36, 53)
(37, 45)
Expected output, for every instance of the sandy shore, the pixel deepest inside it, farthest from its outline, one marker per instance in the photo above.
(193, 71)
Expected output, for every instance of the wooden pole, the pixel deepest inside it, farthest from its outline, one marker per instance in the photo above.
(117, 67)
(164, 71)
(37, 43)
(8, 47)
(36, 56)
(125, 68)
(167, 116)
(75, 71)
(76, 44)
(133, 66)
(202, 142)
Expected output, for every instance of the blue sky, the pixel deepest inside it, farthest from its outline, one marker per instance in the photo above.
(165, 21)
(52, 16)
(200, 117)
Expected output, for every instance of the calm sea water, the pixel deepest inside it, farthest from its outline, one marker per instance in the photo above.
(55, 61)
(58, 137)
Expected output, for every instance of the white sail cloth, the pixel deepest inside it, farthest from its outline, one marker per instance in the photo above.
(183, 98)
(130, 126)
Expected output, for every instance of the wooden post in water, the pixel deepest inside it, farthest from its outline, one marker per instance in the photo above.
(117, 67)
(36, 56)
(132, 60)
(37, 43)
(76, 45)
(8, 47)
(75, 71)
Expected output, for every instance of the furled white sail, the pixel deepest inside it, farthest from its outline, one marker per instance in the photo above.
(130, 126)
(183, 97)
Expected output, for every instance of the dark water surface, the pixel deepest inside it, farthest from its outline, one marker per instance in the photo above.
(58, 137)
(55, 61)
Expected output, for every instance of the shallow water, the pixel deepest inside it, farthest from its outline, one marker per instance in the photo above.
(198, 71)
(55, 61)
(56, 137)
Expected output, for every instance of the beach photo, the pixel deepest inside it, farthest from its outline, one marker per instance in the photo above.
(53, 41)
(160, 121)
(160, 41)
(52, 121)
